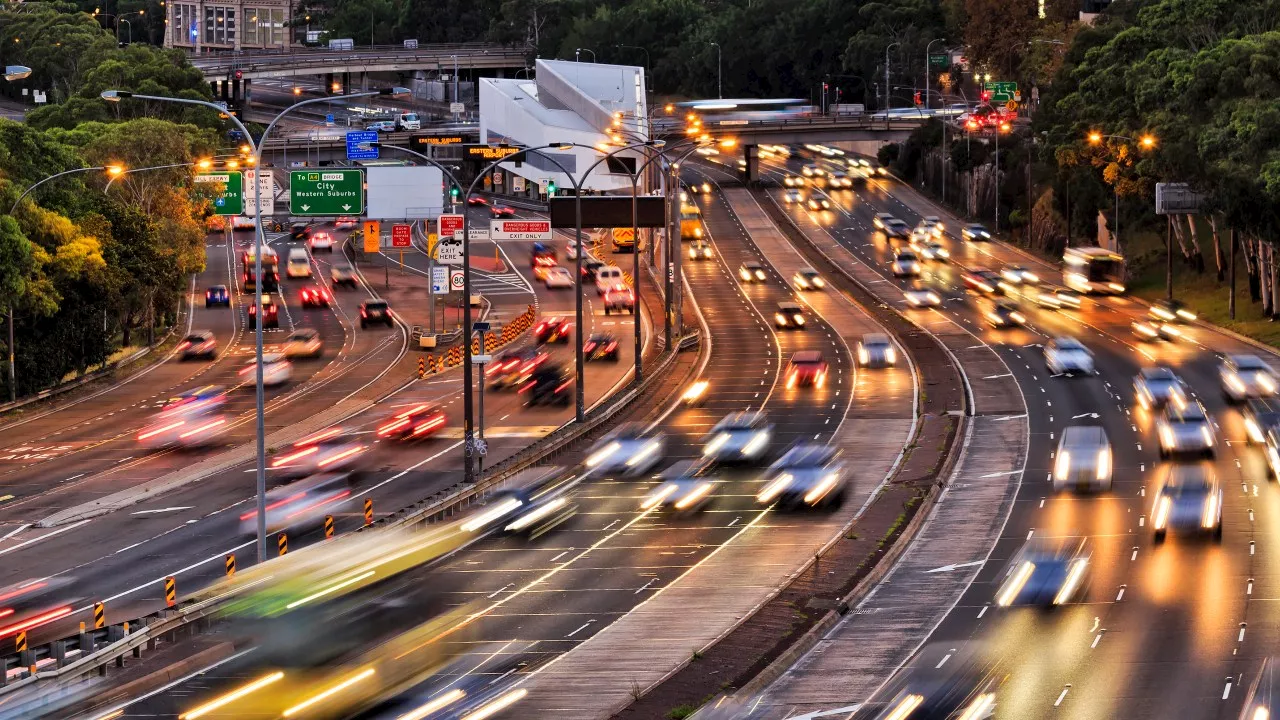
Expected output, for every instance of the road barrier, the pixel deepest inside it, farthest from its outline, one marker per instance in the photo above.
(368, 511)
(422, 368)
(282, 543)
(170, 591)
(99, 616)
(328, 527)
(20, 642)
(231, 565)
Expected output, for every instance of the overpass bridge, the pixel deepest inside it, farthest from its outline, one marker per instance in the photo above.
(322, 61)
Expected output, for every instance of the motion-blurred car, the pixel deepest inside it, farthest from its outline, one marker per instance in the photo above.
(975, 232)
(931, 250)
(607, 277)
(376, 312)
(600, 346)
(1156, 387)
(700, 250)
(1004, 314)
(810, 170)
(789, 316)
(300, 231)
(192, 419)
(1045, 573)
(199, 345)
(876, 351)
(342, 275)
(935, 224)
(739, 436)
(793, 196)
(276, 370)
(897, 231)
(985, 282)
(1068, 356)
(627, 451)
(329, 450)
(1019, 275)
(1246, 376)
(806, 367)
(323, 240)
(882, 220)
(1260, 415)
(1189, 500)
(476, 201)
(793, 181)
(1171, 311)
(1263, 699)
(29, 604)
(807, 475)
(301, 505)
(413, 423)
(1083, 459)
(817, 203)
(548, 384)
(905, 264)
(590, 266)
(1051, 299)
(919, 296)
(512, 367)
(1185, 429)
(303, 343)
(345, 222)
(270, 313)
(619, 298)
(1152, 331)
(680, 490)
(314, 296)
(751, 271)
(571, 250)
(552, 330)
(920, 235)
(217, 295)
(530, 512)
(806, 278)
(558, 278)
(940, 694)
(501, 211)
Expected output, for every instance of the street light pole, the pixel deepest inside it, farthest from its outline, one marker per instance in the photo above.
(719, 71)
(887, 102)
(926, 70)
(580, 50)
(648, 81)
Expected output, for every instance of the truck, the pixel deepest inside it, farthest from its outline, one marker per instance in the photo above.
(690, 222)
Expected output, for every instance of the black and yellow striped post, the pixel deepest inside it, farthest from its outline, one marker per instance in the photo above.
(282, 542)
(99, 616)
(422, 368)
(231, 565)
(368, 511)
(328, 527)
(170, 591)
(20, 642)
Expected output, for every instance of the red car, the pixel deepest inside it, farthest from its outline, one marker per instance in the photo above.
(555, 329)
(476, 201)
(501, 211)
(416, 422)
(314, 297)
(807, 367)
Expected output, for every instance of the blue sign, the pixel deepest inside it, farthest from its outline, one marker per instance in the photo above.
(354, 140)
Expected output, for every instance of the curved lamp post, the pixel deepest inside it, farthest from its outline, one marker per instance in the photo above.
(1146, 141)
(256, 148)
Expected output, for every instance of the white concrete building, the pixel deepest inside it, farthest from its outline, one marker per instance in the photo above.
(569, 102)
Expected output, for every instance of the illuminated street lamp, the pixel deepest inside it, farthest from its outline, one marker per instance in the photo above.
(1147, 141)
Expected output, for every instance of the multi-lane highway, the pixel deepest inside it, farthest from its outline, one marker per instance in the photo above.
(1160, 630)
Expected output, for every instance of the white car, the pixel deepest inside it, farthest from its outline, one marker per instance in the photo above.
(276, 370)
(905, 265)
(322, 241)
(680, 491)
(571, 250)
(920, 296)
(1184, 429)
(1067, 356)
(931, 250)
(1246, 376)
(1019, 275)
(793, 196)
(557, 278)
(934, 222)
(806, 278)
(627, 451)
(808, 475)
(1083, 460)
(921, 235)
(303, 343)
(740, 436)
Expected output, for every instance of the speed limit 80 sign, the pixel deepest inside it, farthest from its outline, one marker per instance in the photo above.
(455, 281)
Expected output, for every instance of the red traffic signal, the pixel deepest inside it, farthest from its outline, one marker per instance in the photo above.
(986, 96)
(239, 74)
(917, 97)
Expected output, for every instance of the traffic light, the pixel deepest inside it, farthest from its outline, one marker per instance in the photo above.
(986, 96)
(454, 192)
(551, 188)
(917, 98)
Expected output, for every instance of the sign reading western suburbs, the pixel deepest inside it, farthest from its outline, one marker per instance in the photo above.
(489, 152)
(231, 201)
(326, 192)
(519, 229)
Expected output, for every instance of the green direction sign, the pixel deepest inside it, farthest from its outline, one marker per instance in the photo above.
(231, 202)
(940, 60)
(326, 192)
(1002, 90)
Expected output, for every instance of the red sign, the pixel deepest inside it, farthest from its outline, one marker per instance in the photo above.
(401, 236)
(526, 226)
(450, 224)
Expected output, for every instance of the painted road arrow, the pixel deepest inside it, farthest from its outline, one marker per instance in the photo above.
(1085, 415)
(957, 566)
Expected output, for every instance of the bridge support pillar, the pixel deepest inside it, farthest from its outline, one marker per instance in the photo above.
(236, 91)
(346, 83)
(248, 92)
(213, 88)
(224, 90)
(328, 83)
(364, 82)
(752, 155)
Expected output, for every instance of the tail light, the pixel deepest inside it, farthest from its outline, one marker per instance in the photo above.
(292, 498)
(391, 427)
(432, 424)
(318, 437)
(35, 621)
(162, 429)
(611, 346)
(589, 347)
(184, 345)
(281, 462)
(349, 452)
(362, 314)
(564, 385)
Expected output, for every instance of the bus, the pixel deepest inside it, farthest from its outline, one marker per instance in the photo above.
(1093, 270)
(270, 270)
(727, 112)
(690, 222)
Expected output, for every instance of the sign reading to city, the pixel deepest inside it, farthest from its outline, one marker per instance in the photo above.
(520, 229)
(401, 236)
(437, 139)
(489, 152)
(356, 138)
(327, 192)
(1002, 90)
(231, 201)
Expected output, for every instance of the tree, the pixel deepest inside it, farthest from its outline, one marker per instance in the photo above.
(996, 34)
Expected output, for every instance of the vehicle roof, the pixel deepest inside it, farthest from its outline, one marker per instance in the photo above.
(806, 356)
(790, 306)
(740, 420)
(200, 334)
(599, 336)
(1084, 436)
(558, 270)
(1158, 373)
(808, 271)
(304, 332)
(975, 226)
(1191, 412)
(1068, 343)
(752, 264)
(272, 358)
(806, 455)
(906, 256)
(1248, 362)
(1188, 477)
(374, 303)
(875, 339)
(217, 287)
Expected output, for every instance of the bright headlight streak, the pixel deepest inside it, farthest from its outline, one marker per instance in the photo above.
(863, 356)
(890, 355)
(330, 692)
(1166, 437)
(1275, 460)
(714, 445)
(694, 496)
(1261, 713)
(1062, 467)
(756, 444)
(1117, 287)
(165, 428)
(536, 514)
(1014, 585)
(1235, 383)
(650, 448)
(202, 428)
(658, 496)
(905, 707)
(498, 705)
(1187, 315)
(603, 454)
(439, 703)
(979, 708)
(1161, 519)
(1209, 518)
(331, 589)
(1266, 383)
(1206, 435)
(774, 488)
(1074, 576)
(1104, 464)
(696, 390)
(491, 514)
(232, 696)
(1255, 433)
(821, 489)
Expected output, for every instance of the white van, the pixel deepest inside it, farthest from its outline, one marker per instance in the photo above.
(408, 121)
(607, 277)
(299, 263)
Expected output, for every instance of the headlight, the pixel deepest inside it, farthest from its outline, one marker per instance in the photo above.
(759, 274)
(801, 282)
(1104, 464)
(1266, 383)
(1187, 315)
(890, 356)
(1116, 287)
(1206, 435)
(756, 444)
(1160, 518)
(780, 319)
(1162, 313)
(863, 356)
(1254, 432)
(819, 282)
(714, 445)
(744, 274)
(1209, 518)
(1234, 382)
(650, 448)
(1030, 277)
(774, 488)
(798, 319)
(1075, 574)
(1018, 317)
(820, 490)
(1274, 457)
(979, 708)
(1014, 584)
(1062, 466)
(933, 298)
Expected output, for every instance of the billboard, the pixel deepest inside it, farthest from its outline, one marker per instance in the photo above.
(403, 193)
(609, 211)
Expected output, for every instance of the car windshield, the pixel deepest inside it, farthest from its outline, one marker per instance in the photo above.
(376, 306)
(303, 335)
(1251, 364)
(906, 257)
(197, 337)
(1189, 414)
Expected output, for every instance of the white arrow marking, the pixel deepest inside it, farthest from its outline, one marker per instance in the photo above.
(993, 377)
(1000, 474)
(306, 208)
(957, 566)
(162, 510)
(998, 419)
(1085, 415)
(346, 207)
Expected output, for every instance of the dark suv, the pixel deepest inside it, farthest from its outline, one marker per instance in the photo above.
(375, 311)
(548, 385)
